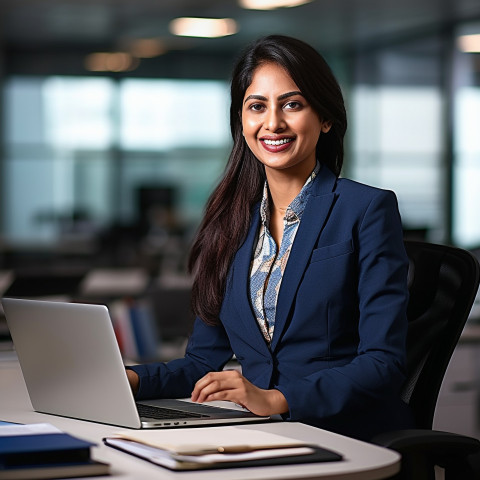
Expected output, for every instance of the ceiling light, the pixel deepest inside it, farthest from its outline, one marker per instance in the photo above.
(203, 27)
(147, 48)
(469, 43)
(111, 62)
(271, 4)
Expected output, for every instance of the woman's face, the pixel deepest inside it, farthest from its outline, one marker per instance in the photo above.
(279, 125)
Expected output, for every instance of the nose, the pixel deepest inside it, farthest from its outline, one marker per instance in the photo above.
(274, 120)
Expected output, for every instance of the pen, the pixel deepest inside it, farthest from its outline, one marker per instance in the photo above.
(237, 449)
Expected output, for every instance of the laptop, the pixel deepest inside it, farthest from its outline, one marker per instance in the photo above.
(72, 367)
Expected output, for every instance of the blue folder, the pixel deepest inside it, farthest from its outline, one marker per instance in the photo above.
(42, 449)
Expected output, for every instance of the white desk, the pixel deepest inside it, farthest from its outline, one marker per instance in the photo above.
(362, 460)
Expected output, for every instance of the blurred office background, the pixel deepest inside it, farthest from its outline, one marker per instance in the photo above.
(114, 130)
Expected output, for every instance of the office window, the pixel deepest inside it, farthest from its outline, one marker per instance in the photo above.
(466, 139)
(51, 124)
(173, 133)
(77, 112)
(161, 115)
(397, 122)
(466, 201)
(82, 148)
(396, 142)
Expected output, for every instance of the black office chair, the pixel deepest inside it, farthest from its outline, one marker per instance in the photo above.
(443, 281)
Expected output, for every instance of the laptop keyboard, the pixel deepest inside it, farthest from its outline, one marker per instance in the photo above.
(161, 413)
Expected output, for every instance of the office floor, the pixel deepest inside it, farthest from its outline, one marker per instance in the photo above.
(458, 406)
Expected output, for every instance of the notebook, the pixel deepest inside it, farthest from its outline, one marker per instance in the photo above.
(72, 367)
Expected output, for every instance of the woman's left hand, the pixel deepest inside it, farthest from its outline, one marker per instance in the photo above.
(232, 386)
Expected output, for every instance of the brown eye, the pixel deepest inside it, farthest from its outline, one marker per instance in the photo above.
(256, 107)
(293, 105)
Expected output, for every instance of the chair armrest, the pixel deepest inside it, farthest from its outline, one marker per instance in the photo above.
(421, 450)
(429, 441)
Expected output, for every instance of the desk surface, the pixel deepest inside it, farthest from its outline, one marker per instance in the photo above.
(362, 460)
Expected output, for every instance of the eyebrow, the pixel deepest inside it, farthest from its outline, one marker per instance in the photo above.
(283, 96)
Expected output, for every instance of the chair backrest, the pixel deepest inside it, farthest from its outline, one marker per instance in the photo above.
(443, 282)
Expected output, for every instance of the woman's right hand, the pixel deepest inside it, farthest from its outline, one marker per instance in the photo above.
(134, 380)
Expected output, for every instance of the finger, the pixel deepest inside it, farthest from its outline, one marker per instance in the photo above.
(204, 387)
(216, 381)
(201, 384)
(221, 395)
(215, 387)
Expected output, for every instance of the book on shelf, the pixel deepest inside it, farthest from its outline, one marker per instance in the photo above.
(218, 447)
(135, 329)
(41, 451)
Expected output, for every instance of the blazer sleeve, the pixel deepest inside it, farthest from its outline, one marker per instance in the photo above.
(208, 349)
(376, 373)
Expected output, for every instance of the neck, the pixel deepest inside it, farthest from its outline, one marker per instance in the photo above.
(283, 193)
(285, 185)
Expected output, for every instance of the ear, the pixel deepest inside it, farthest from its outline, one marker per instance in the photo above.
(326, 126)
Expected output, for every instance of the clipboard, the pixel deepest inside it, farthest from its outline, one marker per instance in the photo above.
(218, 447)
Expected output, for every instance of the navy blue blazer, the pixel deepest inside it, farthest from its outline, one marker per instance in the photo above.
(338, 348)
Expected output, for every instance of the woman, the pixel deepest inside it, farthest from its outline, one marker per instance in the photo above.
(300, 274)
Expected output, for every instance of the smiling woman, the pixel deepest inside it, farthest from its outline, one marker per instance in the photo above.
(299, 273)
(279, 125)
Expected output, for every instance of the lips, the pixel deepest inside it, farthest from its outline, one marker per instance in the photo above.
(275, 145)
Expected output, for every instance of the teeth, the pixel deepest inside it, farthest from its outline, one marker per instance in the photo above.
(277, 142)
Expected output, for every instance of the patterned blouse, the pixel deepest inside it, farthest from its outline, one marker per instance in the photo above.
(268, 264)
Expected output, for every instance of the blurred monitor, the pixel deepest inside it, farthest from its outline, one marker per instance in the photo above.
(152, 201)
(172, 312)
(38, 284)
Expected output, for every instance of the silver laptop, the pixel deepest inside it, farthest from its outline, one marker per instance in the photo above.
(72, 367)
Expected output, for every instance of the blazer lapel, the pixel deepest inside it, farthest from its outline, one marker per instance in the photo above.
(313, 219)
(240, 295)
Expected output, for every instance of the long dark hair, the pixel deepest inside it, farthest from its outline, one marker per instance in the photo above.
(228, 211)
